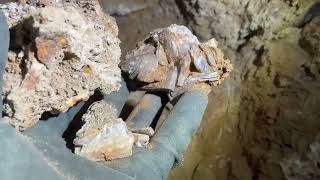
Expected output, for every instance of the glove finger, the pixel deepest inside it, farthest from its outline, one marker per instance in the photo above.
(118, 98)
(184, 118)
(4, 46)
(50, 153)
(182, 122)
(132, 100)
(144, 112)
(170, 141)
(135, 97)
(55, 126)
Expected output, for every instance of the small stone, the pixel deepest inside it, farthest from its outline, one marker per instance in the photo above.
(103, 136)
(141, 139)
(114, 141)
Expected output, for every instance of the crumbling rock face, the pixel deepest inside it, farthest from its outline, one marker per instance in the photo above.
(280, 106)
(303, 160)
(305, 166)
(310, 38)
(234, 22)
(59, 55)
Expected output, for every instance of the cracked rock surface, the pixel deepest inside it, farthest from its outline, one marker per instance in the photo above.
(60, 53)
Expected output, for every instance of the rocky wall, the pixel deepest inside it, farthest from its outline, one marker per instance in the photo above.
(270, 110)
(265, 116)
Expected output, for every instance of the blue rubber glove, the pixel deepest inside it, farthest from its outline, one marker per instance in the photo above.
(41, 152)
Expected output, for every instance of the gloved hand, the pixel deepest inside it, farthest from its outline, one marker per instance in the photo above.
(41, 152)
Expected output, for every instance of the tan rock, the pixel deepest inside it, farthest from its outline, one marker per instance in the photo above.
(103, 136)
(141, 139)
(114, 141)
(60, 54)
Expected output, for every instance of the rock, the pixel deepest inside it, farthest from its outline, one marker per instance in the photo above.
(113, 142)
(59, 55)
(172, 57)
(304, 166)
(103, 136)
(141, 139)
(36, 2)
(143, 136)
(292, 2)
(310, 38)
(280, 81)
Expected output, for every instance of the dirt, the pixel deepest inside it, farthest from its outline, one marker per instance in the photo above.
(266, 113)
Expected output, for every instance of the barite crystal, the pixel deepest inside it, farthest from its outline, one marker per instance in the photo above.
(172, 58)
(103, 136)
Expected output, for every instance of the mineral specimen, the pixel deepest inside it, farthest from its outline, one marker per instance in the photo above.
(60, 53)
(173, 57)
(103, 136)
